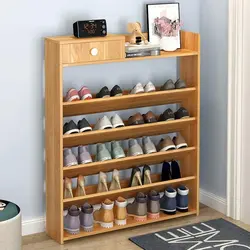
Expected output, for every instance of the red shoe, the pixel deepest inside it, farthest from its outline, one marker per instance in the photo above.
(84, 93)
(72, 95)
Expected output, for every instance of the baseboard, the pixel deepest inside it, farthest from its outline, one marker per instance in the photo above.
(211, 200)
(33, 226)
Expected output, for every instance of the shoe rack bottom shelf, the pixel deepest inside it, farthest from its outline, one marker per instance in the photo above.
(130, 223)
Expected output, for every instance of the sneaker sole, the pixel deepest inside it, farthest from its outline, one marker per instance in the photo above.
(87, 229)
(138, 218)
(168, 148)
(85, 129)
(182, 145)
(154, 216)
(73, 98)
(72, 131)
(121, 222)
(72, 231)
(105, 224)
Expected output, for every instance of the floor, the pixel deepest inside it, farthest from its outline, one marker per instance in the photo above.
(119, 240)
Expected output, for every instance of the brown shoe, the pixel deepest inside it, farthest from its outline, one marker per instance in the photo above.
(149, 117)
(120, 211)
(105, 215)
(138, 209)
(68, 188)
(136, 119)
(179, 141)
(165, 144)
(80, 190)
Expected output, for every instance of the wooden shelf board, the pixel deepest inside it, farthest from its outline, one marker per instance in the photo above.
(130, 223)
(99, 105)
(125, 163)
(127, 192)
(126, 132)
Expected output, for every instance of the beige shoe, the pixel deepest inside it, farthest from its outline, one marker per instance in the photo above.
(102, 184)
(68, 188)
(80, 190)
(120, 211)
(135, 179)
(115, 183)
(179, 141)
(105, 215)
(166, 144)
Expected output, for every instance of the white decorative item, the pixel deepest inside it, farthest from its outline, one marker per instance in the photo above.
(94, 52)
(169, 43)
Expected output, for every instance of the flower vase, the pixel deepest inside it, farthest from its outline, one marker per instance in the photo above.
(169, 43)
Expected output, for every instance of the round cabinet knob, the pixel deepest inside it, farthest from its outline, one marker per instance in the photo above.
(94, 52)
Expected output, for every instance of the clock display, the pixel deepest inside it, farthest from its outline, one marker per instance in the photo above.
(90, 28)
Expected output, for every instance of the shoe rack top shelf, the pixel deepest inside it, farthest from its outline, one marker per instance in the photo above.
(127, 101)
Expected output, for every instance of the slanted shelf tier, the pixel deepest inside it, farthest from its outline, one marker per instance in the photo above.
(67, 51)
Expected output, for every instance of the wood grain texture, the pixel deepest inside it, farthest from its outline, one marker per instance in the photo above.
(53, 140)
(128, 162)
(127, 132)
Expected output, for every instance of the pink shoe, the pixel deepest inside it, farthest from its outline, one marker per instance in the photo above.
(84, 93)
(72, 95)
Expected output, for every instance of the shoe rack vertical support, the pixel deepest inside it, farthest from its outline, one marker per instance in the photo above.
(53, 140)
(190, 72)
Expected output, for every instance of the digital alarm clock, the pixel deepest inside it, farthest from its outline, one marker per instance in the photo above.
(90, 28)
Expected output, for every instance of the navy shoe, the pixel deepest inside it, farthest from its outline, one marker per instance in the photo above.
(182, 199)
(116, 91)
(175, 170)
(168, 201)
(166, 173)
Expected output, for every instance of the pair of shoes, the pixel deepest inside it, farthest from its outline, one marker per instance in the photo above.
(138, 88)
(103, 153)
(69, 159)
(144, 206)
(135, 148)
(173, 200)
(138, 119)
(71, 128)
(114, 185)
(80, 189)
(74, 95)
(104, 122)
(168, 144)
(76, 218)
(111, 212)
(169, 115)
(179, 84)
(104, 92)
(138, 179)
(170, 172)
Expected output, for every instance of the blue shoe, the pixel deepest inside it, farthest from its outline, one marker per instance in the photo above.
(168, 201)
(182, 199)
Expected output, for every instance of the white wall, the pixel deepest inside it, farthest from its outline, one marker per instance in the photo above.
(23, 26)
(214, 72)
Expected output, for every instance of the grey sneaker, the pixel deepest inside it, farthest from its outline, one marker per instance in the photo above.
(169, 84)
(72, 220)
(102, 153)
(69, 159)
(116, 150)
(84, 156)
(168, 201)
(180, 84)
(153, 205)
(134, 148)
(182, 199)
(86, 217)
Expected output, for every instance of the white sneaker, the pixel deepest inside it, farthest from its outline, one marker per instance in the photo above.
(137, 89)
(149, 87)
(117, 121)
(148, 146)
(134, 148)
(103, 123)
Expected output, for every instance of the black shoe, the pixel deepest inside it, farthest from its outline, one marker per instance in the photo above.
(116, 91)
(84, 126)
(104, 92)
(176, 172)
(168, 115)
(166, 172)
(70, 128)
(146, 178)
(135, 179)
(181, 113)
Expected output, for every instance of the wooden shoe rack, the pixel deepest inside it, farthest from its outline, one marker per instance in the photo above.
(68, 51)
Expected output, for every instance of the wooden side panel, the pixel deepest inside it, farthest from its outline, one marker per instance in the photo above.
(190, 71)
(53, 118)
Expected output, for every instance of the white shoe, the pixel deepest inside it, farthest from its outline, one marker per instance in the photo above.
(137, 89)
(148, 146)
(149, 87)
(103, 123)
(117, 121)
(134, 148)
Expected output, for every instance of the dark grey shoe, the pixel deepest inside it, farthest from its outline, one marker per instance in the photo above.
(180, 84)
(72, 220)
(168, 115)
(169, 84)
(182, 199)
(175, 170)
(70, 128)
(168, 201)
(86, 217)
(116, 91)
(181, 113)
(153, 205)
(103, 93)
(84, 126)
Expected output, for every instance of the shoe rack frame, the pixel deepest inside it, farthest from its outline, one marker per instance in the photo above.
(67, 51)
